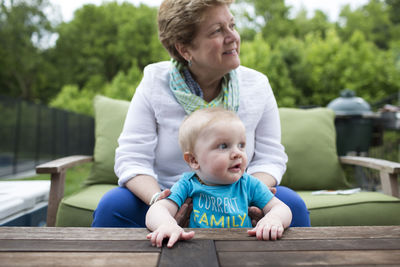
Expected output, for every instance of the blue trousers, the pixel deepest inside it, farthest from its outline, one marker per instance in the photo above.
(119, 207)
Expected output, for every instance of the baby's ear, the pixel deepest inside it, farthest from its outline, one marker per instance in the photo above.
(191, 160)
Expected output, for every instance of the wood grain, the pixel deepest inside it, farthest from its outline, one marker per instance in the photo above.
(316, 245)
(295, 233)
(313, 246)
(77, 246)
(62, 164)
(377, 164)
(195, 253)
(302, 258)
(73, 233)
(78, 259)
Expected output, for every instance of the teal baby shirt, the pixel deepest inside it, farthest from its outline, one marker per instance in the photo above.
(224, 206)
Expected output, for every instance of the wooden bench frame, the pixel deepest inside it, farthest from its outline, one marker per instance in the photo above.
(388, 172)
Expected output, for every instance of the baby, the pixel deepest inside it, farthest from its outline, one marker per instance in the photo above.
(213, 142)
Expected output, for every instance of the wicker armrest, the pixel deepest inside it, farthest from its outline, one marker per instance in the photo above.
(57, 168)
(388, 171)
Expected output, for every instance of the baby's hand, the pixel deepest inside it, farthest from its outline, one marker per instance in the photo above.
(173, 231)
(268, 228)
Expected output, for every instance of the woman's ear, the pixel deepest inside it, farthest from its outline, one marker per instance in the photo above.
(191, 160)
(183, 51)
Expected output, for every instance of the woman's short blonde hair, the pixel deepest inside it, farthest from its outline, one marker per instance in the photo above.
(196, 122)
(178, 22)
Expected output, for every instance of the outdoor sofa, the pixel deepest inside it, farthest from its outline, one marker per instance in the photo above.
(309, 138)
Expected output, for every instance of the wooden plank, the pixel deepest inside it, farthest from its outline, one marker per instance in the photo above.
(390, 185)
(56, 194)
(77, 246)
(73, 233)
(317, 245)
(377, 164)
(78, 259)
(318, 258)
(295, 233)
(194, 253)
(61, 164)
(344, 232)
(304, 233)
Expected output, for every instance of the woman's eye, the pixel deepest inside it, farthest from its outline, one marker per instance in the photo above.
(223, 146)
(218, 30)
(233, 25)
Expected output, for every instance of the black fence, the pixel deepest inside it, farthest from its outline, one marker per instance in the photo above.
(31, 134)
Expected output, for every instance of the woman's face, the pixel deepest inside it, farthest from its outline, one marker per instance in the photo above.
(215, 49)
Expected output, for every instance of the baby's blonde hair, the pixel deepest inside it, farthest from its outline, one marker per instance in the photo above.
(197, 121)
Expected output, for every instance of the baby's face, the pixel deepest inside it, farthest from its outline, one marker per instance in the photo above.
(221, 152)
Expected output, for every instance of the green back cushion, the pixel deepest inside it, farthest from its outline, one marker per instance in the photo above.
(109, 120)
(309, 138)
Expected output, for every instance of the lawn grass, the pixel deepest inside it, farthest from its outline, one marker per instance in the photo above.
(73, 180)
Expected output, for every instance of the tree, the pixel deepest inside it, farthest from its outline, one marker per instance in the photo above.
(22, 63)
(272, 17)
(80, 100)
(394, 10)
(373, 20)
(318, 24)
(357, 64)
(103, 40)
(259, 55)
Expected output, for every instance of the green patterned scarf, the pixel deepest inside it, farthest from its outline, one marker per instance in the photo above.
(228, 98)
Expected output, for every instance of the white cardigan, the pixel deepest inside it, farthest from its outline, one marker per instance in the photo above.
(149, 141)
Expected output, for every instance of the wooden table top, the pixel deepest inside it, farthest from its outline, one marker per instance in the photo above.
(322, 246)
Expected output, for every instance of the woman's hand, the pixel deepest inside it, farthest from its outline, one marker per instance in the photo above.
(255, 215)
(182, 217)
(164, 194)
(172, 231)
(268, 228)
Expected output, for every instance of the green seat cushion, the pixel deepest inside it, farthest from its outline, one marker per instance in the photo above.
(309, 137)
(109, 120)
(364, 208)
(77, 209)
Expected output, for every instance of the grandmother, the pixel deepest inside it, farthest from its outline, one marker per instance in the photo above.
(201, 38)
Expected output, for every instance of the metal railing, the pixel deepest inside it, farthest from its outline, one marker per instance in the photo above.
(31, 134)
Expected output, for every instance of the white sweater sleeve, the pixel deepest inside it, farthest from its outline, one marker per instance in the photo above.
(269, 154)
(137, 142)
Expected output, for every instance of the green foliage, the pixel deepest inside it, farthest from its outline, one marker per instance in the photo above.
(103, 40)
(314, 71)
(310, 60)
(104, 49)
(73, 99)
(259, 55)
(319, 24)
(271, 17)
(355, 64)
(123, 86)
(375, 20)
(22, 63)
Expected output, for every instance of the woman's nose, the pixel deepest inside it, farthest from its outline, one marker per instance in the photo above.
(232, 36)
